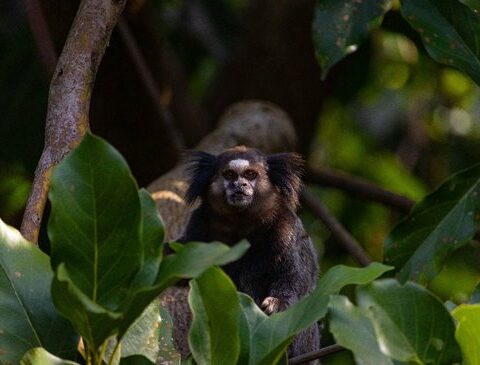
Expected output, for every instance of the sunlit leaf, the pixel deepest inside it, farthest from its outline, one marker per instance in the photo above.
(40, 356)
(143, 337)
(450, 32)
(339, 27)
(214, 332)
(353, 330)
(411, 325)
(441, 223)
(468, 332)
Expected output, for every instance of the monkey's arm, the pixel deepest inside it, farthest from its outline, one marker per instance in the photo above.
(295, 271)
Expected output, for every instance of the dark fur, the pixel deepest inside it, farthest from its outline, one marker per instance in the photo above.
(281, 262)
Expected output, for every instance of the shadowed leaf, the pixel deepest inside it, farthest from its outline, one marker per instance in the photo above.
(441, 223)
(353, 330)
(450, 32)
(28, 318)
(339, 27)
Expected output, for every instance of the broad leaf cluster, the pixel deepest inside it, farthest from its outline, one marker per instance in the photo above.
(449, 29)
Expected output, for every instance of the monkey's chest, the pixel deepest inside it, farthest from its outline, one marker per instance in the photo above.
(252, 274)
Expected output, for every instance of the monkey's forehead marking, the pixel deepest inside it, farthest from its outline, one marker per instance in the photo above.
(238, 163)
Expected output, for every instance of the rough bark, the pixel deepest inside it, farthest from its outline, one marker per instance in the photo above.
(69, 98)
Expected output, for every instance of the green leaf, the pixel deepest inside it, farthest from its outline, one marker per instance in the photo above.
(339, 27)
(250, 317)
(468, 332)
(190, 261)
(92, 321)
(273, 335)
(28, 318)
(410, 323)
(214, 333)
(353, 330)
(450, 32)
(441, 223)
(40, 356)
(143, 337)
(472, 4)
(152, 233)
(95, 223)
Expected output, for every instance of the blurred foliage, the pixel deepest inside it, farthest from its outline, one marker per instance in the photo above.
(23, 98)
(409, 127)
(398, 119)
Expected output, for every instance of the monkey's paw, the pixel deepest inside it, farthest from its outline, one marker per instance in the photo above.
(273, 305)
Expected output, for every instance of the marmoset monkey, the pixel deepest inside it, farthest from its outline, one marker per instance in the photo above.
(248, 195)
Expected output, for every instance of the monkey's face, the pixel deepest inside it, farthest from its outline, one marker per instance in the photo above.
(243, 179)
(238, 179)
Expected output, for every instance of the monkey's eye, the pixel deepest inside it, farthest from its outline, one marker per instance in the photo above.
(229, 175)
(250, 174)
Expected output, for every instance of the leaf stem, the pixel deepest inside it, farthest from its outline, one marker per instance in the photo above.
(101, 353)
(115, 349)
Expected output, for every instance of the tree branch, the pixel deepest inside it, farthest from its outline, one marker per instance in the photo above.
(309, 356)
(339, 233)
(69, 98)
(358, 187)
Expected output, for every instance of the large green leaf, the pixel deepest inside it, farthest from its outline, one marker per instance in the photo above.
(214, 332)
(189, 261)
(28, 318)
(450, 32)
(272, 336)
(92, 321)
(442, 222)
(340, 26)
(353, 330)
(142, 338)
(468, 332)
(95, 223)
(40, 356)
(411, 325)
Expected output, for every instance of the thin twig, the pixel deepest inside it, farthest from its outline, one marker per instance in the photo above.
(359, 187)
(69, 98)
(151, 86)
(309, 356)
(339, 233)
(41, 35)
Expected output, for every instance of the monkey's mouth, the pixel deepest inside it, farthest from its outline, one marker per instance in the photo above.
(239, 198)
